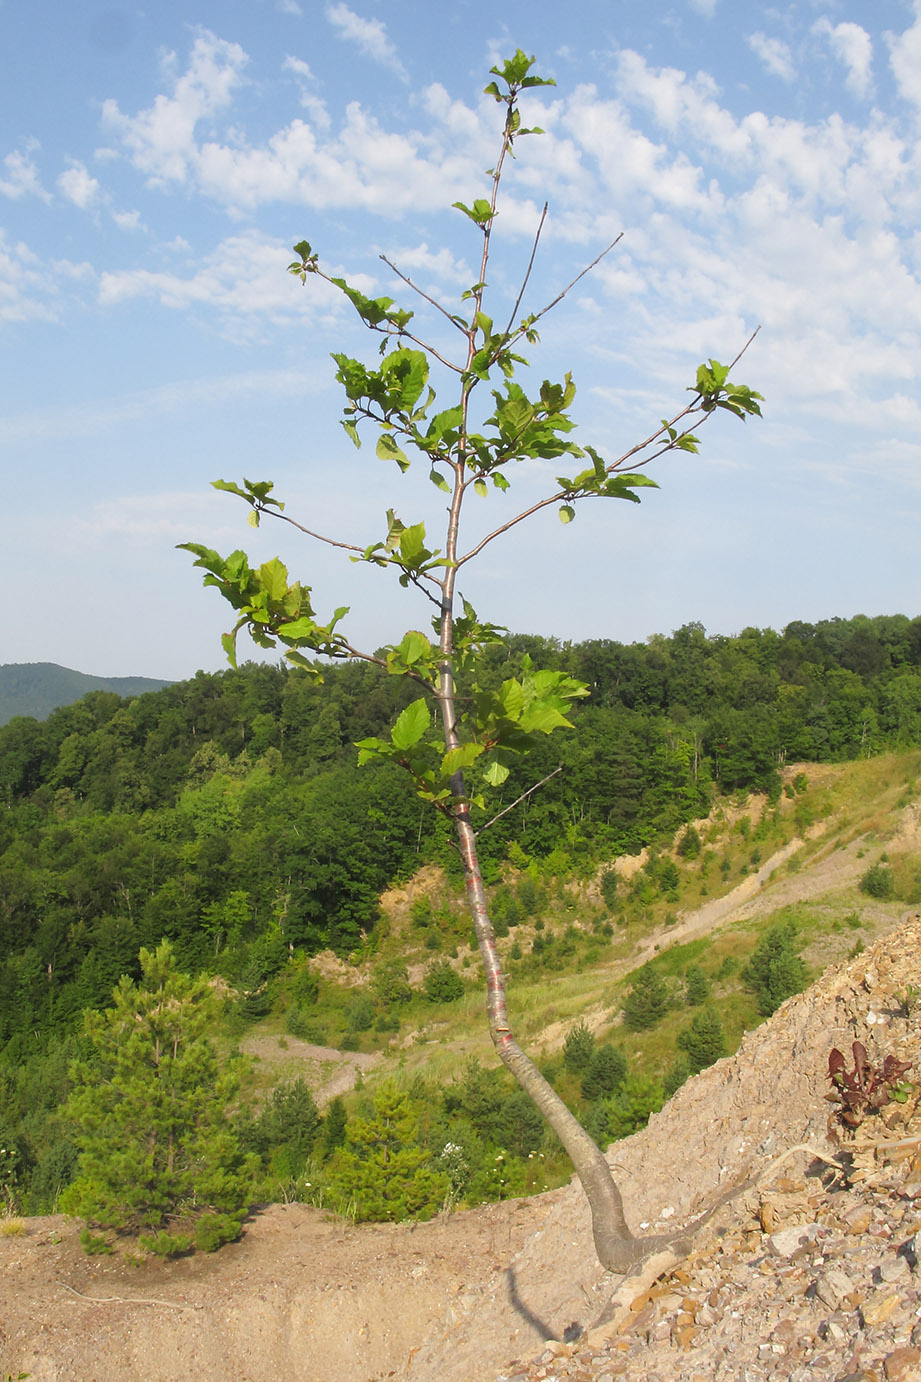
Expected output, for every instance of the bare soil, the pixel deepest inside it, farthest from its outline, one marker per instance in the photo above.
(308, 1298)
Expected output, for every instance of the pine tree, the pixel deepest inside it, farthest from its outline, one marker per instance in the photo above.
(704, 1041)
(384, 1172)
(149, 1112)
(775, 971)
(647, 1001)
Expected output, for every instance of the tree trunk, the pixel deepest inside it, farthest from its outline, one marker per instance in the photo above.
(617, 1248)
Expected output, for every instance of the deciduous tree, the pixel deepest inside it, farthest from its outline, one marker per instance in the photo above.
(469, 447)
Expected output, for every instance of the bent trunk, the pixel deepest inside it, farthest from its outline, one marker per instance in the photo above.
(617, 1248)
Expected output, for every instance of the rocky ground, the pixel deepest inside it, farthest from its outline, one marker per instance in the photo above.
(810, 1266)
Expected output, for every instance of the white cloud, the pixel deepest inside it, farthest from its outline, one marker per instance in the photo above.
(360, 166)
(853, 47)
(438, 265)
(27, 290)
(161, 140)
(705, 7)
(289, 7)
(76, 184)
(308, 97)
(127, 220)
(905, 58)
(370, 35)
(22, 178)
(775, 54)
(243, 280)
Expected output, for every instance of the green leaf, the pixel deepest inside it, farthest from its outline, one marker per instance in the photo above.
(274, 578)
(413, 551)
(479, 485)
(413, 648)
(567, 513)
(229, 644)
(461, 757)
(495, 773)
(298, 628)
(511, 698)
(439, 481)
(388, 450)
(411, 725)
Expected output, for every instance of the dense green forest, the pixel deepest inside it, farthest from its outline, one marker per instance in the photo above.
(227, 814)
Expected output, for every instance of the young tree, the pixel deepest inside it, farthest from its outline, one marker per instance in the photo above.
(467, 448)
(149, 1112)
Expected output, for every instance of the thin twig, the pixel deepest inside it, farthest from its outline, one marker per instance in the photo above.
(517, 800)
(569, 286)
(514, 312)
(416, 289)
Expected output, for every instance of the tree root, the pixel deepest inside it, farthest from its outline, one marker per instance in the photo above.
(126, 1300)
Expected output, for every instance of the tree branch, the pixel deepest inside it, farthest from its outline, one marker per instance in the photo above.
(517, 801)
(506, 335)
(416, 289)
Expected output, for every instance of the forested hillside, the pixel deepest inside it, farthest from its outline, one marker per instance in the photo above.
(227, 813)
(37, 688)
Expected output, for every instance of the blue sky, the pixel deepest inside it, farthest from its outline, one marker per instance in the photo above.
(157, 165)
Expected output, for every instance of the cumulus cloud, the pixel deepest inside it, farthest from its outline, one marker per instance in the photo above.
(161, 140)
(27, 291)
(127, 220)
(21, 178)
(243, 280)
(774, 54)
(308, 97)
(360, 165)
(76, 184)
(905, 59)
(369, 35)
(853, 47)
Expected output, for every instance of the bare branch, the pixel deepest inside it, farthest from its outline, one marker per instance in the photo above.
(416, 289)
(518, 801)
(617, 466)
(506, 335)
(308, 532)
(569, 286)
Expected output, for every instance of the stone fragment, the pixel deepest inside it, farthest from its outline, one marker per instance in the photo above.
(879, 1308)
(832, 1287)
(893, 1269)
(902, 1364)
(785, 1241)
(858, 1220)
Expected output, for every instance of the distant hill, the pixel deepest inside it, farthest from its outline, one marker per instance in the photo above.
(37, 688)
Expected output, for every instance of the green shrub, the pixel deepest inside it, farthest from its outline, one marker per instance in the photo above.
(609, 885)
(383, 1172)
(689, 845)
(442, 984)
(878, 882)
(360, 1013)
